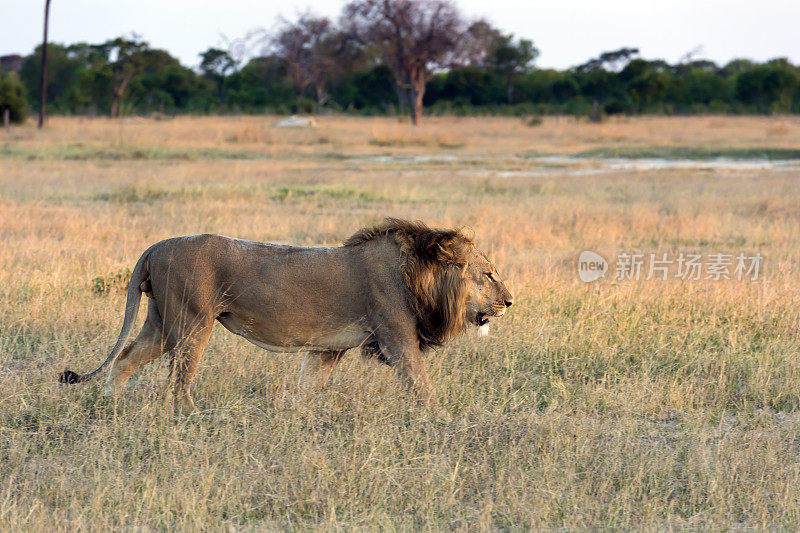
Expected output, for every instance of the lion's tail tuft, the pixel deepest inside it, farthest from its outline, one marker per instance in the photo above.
(68, 376)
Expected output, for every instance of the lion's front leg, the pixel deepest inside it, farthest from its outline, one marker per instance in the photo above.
(316, 369)
(406, 358)
(411, 371)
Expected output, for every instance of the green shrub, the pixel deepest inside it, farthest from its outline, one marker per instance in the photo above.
(116, 281)
(304, 106)
(535, 120)
(12, 97)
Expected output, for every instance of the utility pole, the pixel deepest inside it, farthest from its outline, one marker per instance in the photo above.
(44, 65)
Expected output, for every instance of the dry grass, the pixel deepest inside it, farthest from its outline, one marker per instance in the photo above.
(650, 404)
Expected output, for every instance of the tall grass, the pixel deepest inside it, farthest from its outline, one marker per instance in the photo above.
(644, 404)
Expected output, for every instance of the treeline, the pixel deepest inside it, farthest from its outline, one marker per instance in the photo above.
(80, 85)
(392, 57)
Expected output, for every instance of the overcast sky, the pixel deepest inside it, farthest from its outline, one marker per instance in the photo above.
(567, 32)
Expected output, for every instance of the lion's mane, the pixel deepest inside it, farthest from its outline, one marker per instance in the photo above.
(434, 265)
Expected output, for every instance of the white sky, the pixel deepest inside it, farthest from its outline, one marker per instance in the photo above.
(567, 32)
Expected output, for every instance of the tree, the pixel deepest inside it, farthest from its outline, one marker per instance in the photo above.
(291, 45)
(460, 87)
(216, 64)
(261, 84)
(117, 60)
(64, 72)
(164, 84)
(477, 43)
(94, 78)
(125, 67)
(313, 50)
(768, 87)
(371, 90)
(510, 59)
(413, 38)
(615, 60)
(44, 65)
(647, 82)
(736, 66)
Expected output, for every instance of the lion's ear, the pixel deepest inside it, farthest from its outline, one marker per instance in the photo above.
(444, 248)
(427, 246)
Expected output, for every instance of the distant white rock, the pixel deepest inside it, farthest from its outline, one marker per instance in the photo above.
(296, 122)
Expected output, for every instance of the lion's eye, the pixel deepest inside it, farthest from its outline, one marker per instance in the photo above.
(489, 276)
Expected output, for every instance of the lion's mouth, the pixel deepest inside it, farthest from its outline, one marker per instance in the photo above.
(481, 319)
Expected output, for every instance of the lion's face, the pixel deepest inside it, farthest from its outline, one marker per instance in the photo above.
(487, 296)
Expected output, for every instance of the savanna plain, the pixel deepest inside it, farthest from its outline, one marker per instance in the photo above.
(633, 404)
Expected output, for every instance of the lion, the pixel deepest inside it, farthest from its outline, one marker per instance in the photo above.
(396, 290)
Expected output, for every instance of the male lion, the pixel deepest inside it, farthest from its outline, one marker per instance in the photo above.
(395, 290)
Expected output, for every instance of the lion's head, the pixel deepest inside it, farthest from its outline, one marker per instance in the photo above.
(451, 284)
(487, 295)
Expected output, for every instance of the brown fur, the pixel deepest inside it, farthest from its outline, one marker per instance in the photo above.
(395, 289)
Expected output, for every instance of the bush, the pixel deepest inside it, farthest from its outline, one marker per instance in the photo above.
(12, 97)
(304, 106)
(535, 120)
(117, 281)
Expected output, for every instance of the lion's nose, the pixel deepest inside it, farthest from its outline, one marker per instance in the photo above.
(509, 302)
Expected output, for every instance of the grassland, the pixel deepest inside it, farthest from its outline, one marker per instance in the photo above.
(650, 404)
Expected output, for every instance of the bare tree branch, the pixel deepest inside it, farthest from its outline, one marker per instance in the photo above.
(414, 38)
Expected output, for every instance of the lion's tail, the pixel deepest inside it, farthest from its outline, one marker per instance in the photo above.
(138, 277)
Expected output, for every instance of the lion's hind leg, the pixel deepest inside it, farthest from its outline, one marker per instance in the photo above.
(184, 360)
(317, 368)
(148, 346)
